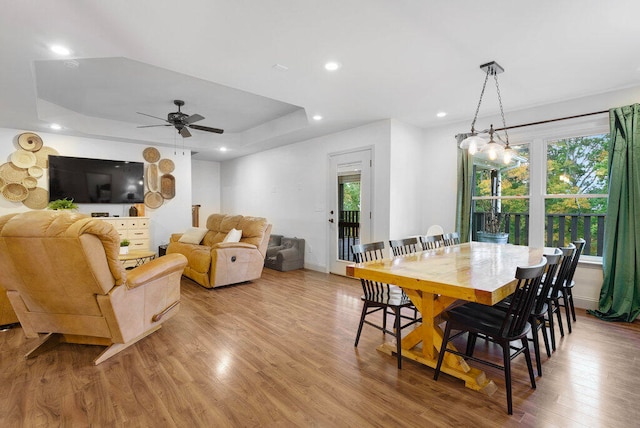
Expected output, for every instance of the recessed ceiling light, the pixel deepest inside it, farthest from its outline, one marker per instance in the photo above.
(332, 66)
(60, 50)
(441, 114)
(55, 126)
(317, 117)
(223, 149)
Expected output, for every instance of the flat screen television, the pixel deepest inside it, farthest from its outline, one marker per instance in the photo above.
(95, 181)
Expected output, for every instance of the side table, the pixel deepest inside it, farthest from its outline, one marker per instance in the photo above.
(139, 257)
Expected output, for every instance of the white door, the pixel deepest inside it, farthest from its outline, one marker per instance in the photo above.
(349, 206)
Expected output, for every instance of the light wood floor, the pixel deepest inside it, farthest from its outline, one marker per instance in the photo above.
(279, 352)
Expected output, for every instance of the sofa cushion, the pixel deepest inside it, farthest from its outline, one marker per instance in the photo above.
(193, 235)
(234, 235)
(253, 229)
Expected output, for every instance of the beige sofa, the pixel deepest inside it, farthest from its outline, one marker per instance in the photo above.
(63, 278)
(213, 263)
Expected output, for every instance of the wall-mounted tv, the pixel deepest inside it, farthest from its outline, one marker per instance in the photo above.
(95, 181)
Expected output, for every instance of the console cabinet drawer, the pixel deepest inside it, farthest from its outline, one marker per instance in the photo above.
(135, 229)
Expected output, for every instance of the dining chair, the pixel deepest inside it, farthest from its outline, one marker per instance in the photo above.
(555, 294)
(431, 242)
(405, 246)
(568, 284)
(379, 296)
(435, 230)
(452, 238)
(502, 327)
(541, 308)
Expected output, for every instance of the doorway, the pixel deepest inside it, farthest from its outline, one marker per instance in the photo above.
(349, 206)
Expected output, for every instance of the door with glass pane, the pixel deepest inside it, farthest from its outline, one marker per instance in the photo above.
(349, 206)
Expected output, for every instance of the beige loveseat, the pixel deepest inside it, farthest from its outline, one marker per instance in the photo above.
(213, 263)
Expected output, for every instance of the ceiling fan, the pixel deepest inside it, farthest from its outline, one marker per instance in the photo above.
(182, 121)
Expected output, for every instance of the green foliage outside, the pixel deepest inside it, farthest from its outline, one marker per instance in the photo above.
(351, 196)
(575, 166)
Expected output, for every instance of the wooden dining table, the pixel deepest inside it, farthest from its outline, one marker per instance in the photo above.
(436, 279)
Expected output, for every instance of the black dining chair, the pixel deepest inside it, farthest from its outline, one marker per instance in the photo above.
(502, 327)
(568, 284)
(540, 309)
(555, 294)
(401, 247)
(379, 297)
(431, 242)
(452, 238)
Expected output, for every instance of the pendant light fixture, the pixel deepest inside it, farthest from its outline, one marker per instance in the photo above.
(475, 143)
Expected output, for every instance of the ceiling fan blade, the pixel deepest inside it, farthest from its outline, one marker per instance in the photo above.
(151, 126)
(185, 132)
(155, 117)
(193, 118)
(206, 128)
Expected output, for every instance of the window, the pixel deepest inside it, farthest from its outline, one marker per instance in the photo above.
(552, 193)
(576, 191)
(501, 197)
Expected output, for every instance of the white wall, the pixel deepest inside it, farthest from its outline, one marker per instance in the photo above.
(205, 188)
(289, 186)
(406, 181)
(173, 216)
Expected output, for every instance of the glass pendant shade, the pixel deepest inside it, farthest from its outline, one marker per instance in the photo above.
(508, 154)
(474, 143)
(493, 150)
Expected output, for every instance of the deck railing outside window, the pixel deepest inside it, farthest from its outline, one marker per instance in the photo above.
(560, 229)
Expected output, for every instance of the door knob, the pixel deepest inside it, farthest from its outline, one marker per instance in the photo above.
(330, 220)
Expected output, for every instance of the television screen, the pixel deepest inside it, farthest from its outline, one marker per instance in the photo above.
(95, 181)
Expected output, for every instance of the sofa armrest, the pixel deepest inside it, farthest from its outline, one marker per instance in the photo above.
(175, 237)
(272, 251)
(155, 269)
(288, 254)
(233, 245)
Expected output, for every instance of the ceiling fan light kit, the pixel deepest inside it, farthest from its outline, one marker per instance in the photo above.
(182, 121)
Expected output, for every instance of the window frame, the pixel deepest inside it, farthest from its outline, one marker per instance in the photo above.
(538, 137)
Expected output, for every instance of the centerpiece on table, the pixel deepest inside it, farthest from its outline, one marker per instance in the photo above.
(493, 229)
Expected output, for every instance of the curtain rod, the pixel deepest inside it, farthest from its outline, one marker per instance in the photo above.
(552, 120)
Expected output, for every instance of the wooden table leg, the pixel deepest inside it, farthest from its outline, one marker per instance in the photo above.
(430, 335)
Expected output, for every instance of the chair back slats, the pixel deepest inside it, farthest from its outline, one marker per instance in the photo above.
(452, 238)
(553, 261)
(431, 242)
(564, 269)
(524, 297)
(367, 253)
(405, 246)
(580, 243)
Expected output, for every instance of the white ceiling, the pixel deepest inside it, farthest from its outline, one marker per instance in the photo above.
(400, 59)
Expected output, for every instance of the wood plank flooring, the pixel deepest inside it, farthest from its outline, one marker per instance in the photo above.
(279, 352)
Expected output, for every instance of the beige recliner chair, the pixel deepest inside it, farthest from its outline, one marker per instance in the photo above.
(8, 316)
(63, 277)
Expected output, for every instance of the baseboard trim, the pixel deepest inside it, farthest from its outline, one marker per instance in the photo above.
(585, 303)
(317, 268)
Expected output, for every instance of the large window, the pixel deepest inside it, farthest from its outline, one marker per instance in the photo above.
(576, 191)
(553, 192)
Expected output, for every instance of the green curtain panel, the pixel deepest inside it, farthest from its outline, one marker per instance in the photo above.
(620, 294)
(465, 181)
